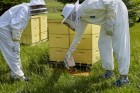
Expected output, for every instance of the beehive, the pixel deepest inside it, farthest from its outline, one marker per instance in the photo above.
(87, 51)
(31, 33)
(57, 54)
(60, 38)
(56, 27)
(35, 31)
(58, 41)
(43, 28)
(85, 56)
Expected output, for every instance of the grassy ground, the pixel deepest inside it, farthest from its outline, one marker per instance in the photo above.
(51, 80)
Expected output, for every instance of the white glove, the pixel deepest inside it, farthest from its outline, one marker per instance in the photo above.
(16, 35)
(109, 30)
(69, 61)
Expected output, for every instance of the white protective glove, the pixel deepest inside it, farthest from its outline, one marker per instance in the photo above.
(109, 30)
(69, 60)
(16, 35)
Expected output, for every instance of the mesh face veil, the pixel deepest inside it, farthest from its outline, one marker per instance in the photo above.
(70, 21)
(37, 7)
(69, 13)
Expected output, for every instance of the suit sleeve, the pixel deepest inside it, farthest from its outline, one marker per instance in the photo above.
(18, 22)
(77, 38)
(110, 15)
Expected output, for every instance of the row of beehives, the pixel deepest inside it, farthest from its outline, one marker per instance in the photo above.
(60, 38)
(35, 31)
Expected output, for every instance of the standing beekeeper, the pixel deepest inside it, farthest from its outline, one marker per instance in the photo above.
(12, 23)
(112, 16)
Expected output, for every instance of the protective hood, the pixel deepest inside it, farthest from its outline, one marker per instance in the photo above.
(68, 9)
(37, 7)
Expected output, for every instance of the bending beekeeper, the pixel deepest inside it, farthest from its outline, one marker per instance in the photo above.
(12, 23)
(112, 16)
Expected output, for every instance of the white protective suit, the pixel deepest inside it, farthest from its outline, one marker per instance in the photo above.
(112, 15)
(12, 23)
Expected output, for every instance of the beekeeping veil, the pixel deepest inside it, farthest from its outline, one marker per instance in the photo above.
(37, 7)
(70, 15)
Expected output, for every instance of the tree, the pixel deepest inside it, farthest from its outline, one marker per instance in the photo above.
(6, 4)
(133, 6)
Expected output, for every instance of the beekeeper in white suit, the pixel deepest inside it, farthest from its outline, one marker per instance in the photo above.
(12, 23)
(112, 16)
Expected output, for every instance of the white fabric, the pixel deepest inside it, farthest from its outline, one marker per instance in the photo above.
(78, 36)
(16, 35)
(12, 21)
(37, 2)
(37, 10)
(19, 16)
(112, 15)
(70, 24)
(68, 9)
(69, 61)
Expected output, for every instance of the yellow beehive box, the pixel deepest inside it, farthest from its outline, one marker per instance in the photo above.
(56, 27)
(95, 29)
(80, 56)
(57, 54)
(31, 33)
(87, 41)
(43, 23)
(60, 38)
(43, 35)
(90, 29)
(58, 41)
(32, 27)
(28, 40)
(86, 56)
(43, 28)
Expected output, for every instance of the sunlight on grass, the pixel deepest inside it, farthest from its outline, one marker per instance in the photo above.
(45, 79)
(52, 80)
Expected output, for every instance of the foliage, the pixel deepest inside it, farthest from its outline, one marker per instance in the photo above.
(54, 6)
(133, 6)
(6, 4)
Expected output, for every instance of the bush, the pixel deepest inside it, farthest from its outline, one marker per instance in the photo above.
(133, 6)
(6, 4)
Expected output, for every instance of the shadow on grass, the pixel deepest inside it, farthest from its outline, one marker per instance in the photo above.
(89, 85)
(5, 77)
(48, 83)
(4, 72)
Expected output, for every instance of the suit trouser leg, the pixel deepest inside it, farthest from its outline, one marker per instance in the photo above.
(11, 53)
(106, 51)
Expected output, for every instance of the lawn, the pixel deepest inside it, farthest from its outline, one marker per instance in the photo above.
(45, 79)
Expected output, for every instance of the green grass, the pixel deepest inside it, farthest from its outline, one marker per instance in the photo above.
(51, 80)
